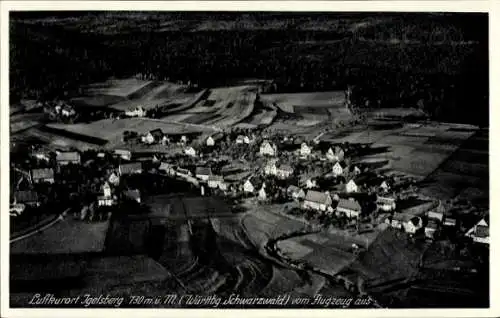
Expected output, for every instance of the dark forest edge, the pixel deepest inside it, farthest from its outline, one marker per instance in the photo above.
(393, 60)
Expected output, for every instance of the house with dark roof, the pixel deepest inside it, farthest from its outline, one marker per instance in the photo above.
(203, 173)
(26, 197)
(130, 168)
(217, 181)
(64, 158)
(317, 200)
(42, 175)
(350, 207)
(480, 233)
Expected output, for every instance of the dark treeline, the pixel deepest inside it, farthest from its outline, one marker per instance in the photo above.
(441, 66)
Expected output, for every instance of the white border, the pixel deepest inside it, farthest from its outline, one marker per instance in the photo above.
(491, 6)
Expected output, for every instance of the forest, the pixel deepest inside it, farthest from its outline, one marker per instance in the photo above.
(436, 62)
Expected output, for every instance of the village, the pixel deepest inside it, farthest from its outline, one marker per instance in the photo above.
(317, 182)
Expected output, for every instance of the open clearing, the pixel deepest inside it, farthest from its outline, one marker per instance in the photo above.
(116, 87)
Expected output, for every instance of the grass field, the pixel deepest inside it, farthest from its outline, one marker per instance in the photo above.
(66, 236)
(116, 87)
(286, 102)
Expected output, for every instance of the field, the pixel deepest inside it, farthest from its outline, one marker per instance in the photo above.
(66, 236)
(287, 102)
(112, 130)
(415, 150)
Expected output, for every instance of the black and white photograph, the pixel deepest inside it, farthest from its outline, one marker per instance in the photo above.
(248, 159)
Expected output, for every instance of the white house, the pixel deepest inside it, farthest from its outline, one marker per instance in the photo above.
(310, 183)
(114, 179)
(480, 233)
(248, 186)
(106, 190)
(189, 151)
(124, 154)
(210, 141)
(338, 169)
(356, 170)
(165, 140)
(242, 139)
(384, 186)
(203, 173)
(386, 204)
(408, 222)
(449, 220)
(216, 181)
(351, 186)
(268, 149)
(317, 200)
(350, 208)
(270, 168)
(305, 150)
(295, 193)
(337, 155)
(136, 112)
(152, 136)
(64, 158)
(284, 171)
(184, 139)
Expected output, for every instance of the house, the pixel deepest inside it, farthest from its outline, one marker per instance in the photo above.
(210, 142)
(189, 151)
(64, 158)
(184, 139)
(101, 155)
(216, 181)
(268, 149)
(167, 168)
(431, 228)
(408, 222)
(384, 186)
(42, 175)
(284, 171)
(386, 204)
(350, 208)
(41, 156)
(242, 139)
(106, 189)
(262, 193)
(153, 136)
(203, 173)
(134, 195)
(435, 215)
(29, 198)
(480, 233)
(130, 168)
(337, 155)
(248, 187)
(338, 169)
(305, 150)
(270, 168)
(295, 192)
(124, 154)
(317, 200)
(114, 179)
(351, 186)
(136, 112)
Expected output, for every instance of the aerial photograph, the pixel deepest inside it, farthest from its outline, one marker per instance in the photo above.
(233, 159)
